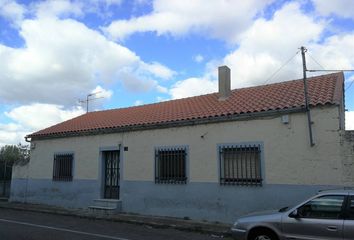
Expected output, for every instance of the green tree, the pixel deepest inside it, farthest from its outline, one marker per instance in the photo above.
(10, 155)
(14, 154)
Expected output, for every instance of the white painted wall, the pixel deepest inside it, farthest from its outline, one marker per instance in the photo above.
(288, 157)
(20, 171)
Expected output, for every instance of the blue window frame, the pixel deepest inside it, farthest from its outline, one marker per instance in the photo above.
(63, 167)
(171, 165)
(240, 164)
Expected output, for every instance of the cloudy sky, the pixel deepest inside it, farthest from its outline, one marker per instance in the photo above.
(133, 52)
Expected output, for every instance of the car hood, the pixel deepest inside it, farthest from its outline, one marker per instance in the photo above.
(261, 213)
(264, 216)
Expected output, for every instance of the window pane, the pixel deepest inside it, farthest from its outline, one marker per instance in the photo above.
(240, 165)
(170, 165)
(328, 207)
(351, 208)
(62, 168)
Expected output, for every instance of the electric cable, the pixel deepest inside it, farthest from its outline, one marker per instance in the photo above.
(313, 59)
(349, 85)
(279, 69)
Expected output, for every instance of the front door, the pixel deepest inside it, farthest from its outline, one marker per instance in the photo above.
(111, 174)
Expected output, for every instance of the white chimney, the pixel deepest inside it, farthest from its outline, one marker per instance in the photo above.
(224, 82)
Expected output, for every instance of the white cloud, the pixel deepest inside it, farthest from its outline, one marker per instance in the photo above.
(11, 133)
(29, 118)
(262, 49)
(96, 99)
(70, 8)
(161, 99)
(216, 19)
(341, 8)
(97, 4)
(333, 52)
(37, 116)
(192, 87)
(158, 70)
(138, 103)
(161, 89)
(198, 58)
(12, 11)
(63, 59)
(349, 120)
(267, 44)
(58, 8)
(100, 92)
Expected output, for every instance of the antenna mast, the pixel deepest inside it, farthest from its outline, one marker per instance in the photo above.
(88, 99)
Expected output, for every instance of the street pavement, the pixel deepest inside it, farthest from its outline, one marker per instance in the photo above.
(25, 225)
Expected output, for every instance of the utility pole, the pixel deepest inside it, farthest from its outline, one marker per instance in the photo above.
(88, 99)
(307, 107)
(303, 51)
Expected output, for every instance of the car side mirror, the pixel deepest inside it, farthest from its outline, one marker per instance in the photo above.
(294, 214)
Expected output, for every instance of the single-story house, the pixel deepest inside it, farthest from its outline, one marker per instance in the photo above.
(210, 157)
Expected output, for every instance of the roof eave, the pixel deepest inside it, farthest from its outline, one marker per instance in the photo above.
(180, 123)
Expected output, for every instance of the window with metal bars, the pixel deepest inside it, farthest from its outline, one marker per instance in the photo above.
(240, 164)
(170, 165)
(63, 167)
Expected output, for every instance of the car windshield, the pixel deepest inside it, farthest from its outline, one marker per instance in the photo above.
(283, 209)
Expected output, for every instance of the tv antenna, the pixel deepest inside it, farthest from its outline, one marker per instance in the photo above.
(89, 99)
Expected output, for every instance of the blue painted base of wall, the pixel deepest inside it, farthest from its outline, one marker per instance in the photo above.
(210, 201)
(75, 194)
(200, 201)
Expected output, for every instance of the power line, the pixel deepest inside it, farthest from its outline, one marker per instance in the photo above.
(279, 69)
(313, 59)
(349, 85)
(324, 69)
(331, 70)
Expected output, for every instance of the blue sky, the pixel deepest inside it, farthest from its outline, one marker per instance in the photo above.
(132, 52)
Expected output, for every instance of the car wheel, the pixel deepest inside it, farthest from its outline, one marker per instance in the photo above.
(263, 235)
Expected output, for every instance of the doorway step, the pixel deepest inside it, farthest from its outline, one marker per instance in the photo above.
(106, 206)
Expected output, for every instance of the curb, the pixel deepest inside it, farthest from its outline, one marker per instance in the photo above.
(217, 230)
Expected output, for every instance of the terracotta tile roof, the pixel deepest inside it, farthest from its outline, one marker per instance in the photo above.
(325, 89)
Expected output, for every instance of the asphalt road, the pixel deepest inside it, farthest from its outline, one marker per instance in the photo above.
(21, 225)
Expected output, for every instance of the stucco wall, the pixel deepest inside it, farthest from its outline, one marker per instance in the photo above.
(288, 157)
(348, 156)
(86, 155)
(288, 160)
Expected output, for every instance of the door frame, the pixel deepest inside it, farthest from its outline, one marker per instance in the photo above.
(101, 167)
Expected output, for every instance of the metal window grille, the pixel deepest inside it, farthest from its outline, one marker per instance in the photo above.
(63, 167)
(240, 165)
(170, 165)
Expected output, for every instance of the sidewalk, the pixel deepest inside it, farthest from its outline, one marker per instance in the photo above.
(217, 229)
